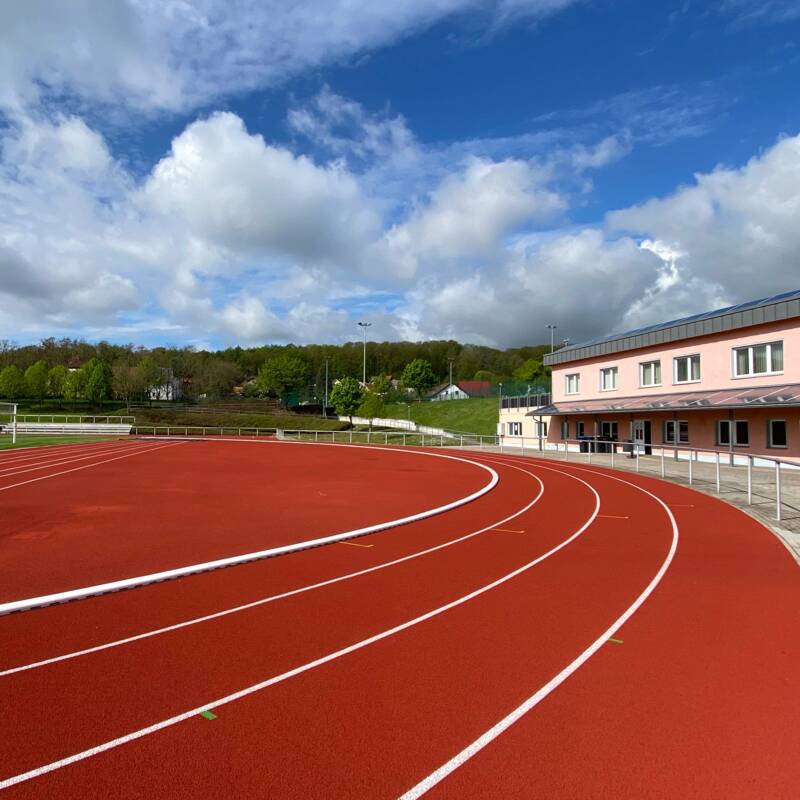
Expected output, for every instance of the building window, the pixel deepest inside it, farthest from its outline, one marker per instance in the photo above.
(565, 430)
(736, 432)
(579, 428)
(515, 429)
(676, 431)
(609, 430)
(650, 373)
(776, 433)
(608, 379)
(758, 359)
(573, 383)
(687, 369)
(541, 429)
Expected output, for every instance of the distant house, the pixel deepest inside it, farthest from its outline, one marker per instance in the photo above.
(170, 387)
(462, 390)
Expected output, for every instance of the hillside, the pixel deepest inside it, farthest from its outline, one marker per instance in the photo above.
(476, 415)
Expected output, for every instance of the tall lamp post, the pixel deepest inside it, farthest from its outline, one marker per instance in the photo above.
(364, 326)
(325, 407)
(552, 329)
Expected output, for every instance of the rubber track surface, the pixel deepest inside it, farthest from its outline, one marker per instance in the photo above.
(192, 502)
(698, 701)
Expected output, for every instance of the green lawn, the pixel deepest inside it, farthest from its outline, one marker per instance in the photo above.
(476, 415)
(41, 441)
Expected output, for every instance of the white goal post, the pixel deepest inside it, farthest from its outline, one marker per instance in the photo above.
(8, 420)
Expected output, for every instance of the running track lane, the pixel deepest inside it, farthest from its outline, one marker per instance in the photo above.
(332, 753)
(364, 621)
(203, 500)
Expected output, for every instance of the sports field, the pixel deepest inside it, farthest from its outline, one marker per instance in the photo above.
(385, 622)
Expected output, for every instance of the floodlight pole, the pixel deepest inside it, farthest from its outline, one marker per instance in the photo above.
(325, 407)
(552, 329)
(451, 374)
(364, 326)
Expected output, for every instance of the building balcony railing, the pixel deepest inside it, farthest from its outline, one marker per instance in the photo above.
(525, 401)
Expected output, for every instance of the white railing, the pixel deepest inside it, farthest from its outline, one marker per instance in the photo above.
(400, 424)
(594, 448)
(75, 419)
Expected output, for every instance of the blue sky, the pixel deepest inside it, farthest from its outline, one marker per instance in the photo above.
(217, 173)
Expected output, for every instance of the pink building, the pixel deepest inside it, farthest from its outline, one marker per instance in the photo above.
(723, 379)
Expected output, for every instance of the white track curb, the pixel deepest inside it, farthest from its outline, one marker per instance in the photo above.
(179, 572)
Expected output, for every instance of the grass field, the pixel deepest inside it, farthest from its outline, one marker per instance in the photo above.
(193, 419)
(41, 441)
(476, 415)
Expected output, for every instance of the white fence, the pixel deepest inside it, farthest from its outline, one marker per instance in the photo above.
(399, 424)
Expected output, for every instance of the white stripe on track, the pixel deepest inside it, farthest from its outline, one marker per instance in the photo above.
(192, 569)
(21, 469)
(87, 466)
(34, 452)
(271, 599)
(166, 723)
(426, 784)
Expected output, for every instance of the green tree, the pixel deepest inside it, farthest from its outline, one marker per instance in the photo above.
(72, 385)
(55, 381)
(371, 407)
(280, 374)
(346, 397)
(12, 383)
(418, 375)
(99, 383)
(380, 386)
(486, 375)
(530, 371)
(36, 380)
(127, 382)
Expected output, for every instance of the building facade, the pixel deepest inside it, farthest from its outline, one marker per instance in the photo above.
(727, 379)
(518, 418)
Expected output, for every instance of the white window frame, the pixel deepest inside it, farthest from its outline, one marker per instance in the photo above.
(642, 365)
(769, 435)
(615, 372)
(676, 431)
(609, 423)
(541, 429)
(515, 429)
(675, 361)
(577, 377)
(749, 347)
(732, 423)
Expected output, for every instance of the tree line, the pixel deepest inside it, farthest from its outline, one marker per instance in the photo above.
(74, 369)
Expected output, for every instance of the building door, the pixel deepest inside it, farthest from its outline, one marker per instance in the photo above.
(642, 435)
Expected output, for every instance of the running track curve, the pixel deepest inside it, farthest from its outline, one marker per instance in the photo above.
(385, 680)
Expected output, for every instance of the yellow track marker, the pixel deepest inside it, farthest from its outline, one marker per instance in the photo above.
(506, 530)
(610, 516)
(355, 544)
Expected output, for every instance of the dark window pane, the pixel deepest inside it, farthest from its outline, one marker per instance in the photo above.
(742, 433)
(777, 436)
(723, 432)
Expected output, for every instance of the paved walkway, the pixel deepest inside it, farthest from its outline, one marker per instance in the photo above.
(733, 485)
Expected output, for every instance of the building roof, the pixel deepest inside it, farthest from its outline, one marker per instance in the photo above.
(786, 395)
(475, 387)
(754, 312)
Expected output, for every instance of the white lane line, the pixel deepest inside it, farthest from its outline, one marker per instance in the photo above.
(291, 593)
(34, 452)
(257, 687)
(20, 469)
(191, 569)
(139, 451)
(438, 775)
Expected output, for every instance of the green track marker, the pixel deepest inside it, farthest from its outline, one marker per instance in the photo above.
(616, 641)
(208, 715)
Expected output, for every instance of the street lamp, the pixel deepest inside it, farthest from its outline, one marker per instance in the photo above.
(364, 326)
(552, 329)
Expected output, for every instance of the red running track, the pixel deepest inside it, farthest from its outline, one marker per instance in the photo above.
(697, 701)
(156, 506)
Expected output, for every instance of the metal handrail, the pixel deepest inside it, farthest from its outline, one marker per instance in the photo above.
(70, 419)
(597, 445)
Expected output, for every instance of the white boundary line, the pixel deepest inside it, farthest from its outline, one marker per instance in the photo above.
(21, 469)
(283, 595)
(166, 723)
(45, 451)
(86, 466)
(426, 784)
(179, 572)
